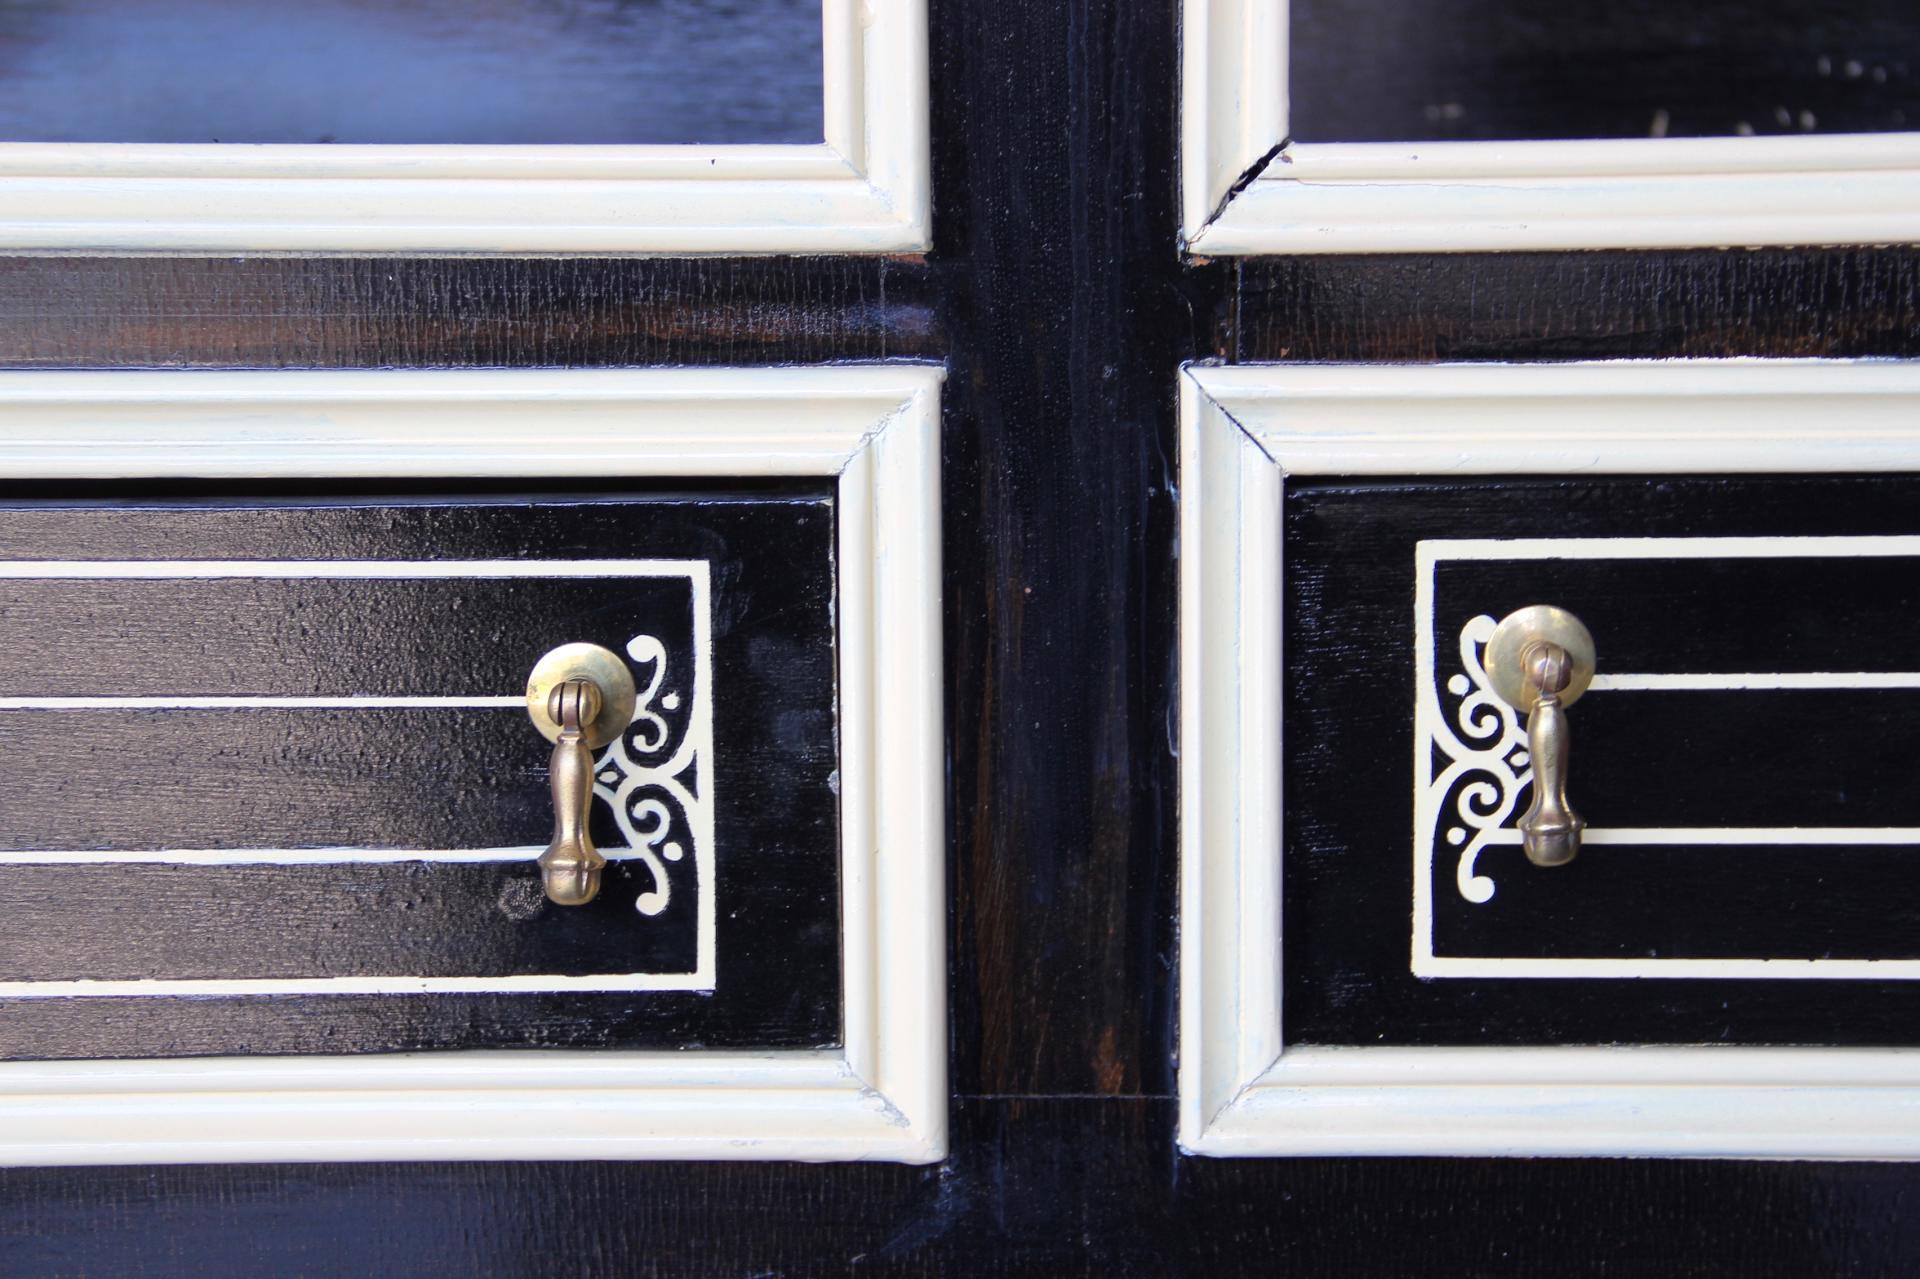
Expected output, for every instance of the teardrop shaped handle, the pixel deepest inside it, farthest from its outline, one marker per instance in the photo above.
(1540, 659)
(580, 697)
(571, 865)
(1550, 830)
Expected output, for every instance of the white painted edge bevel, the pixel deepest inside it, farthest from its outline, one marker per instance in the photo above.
(883, 1096)
(1242, 1091)
(1367, 197)
(866, 188)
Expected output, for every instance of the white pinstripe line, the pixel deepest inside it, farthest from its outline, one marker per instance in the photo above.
(350, 702)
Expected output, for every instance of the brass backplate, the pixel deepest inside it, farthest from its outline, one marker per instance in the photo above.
(1506, 652)
(602, 667)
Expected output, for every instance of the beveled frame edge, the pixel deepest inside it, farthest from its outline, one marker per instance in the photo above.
(866, 188)
(1247, 189)
(884, 1095)
(1242, 1091)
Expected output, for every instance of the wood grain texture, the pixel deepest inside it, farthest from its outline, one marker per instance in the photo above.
(302, 637)
(342, 919)
(374, 778)
(1077, 1186)
(1568, 306)
(1762, 759)
(1067, 315)
(457, 312)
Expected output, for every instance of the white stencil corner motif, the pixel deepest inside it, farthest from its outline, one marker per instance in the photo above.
(1466, 802)
(641, 775)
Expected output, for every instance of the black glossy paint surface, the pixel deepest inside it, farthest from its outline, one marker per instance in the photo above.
(1843, 303)
(1036, 1187)
(411, 71)
(1057, 299)
(347, 777)
(1492, 70)
(1641, 759)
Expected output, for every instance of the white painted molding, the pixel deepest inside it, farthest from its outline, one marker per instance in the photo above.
(1617, 416)
(1361, 197)
(493, 422)
(1233, 110)
(1243, 1091)
(864, 189)
(882, 1096)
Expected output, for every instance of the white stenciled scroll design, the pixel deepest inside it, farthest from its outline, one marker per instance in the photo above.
(1472, 796)
(644, 790)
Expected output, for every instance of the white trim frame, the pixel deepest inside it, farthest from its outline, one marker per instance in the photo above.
(864, 189)
(1246, 189)
(1243, 1091)
(882, 1096)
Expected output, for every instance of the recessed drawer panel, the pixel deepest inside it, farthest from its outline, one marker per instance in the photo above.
(1747, 761)
(271, 783)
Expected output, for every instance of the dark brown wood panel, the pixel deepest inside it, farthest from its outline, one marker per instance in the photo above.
(1067, 312)
(318, 312)
(1577, 306)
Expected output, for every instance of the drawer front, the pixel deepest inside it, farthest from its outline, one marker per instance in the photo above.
(279, 792)
(1747, 761)
(1547, 760)
(319, 689)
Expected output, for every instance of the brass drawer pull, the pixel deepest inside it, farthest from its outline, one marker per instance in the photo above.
(580, 697)
(1541, 659)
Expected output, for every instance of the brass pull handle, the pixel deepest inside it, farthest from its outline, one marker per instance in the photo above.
(571, 865)
(580, 697)
(1550, 831)
(1541, 659)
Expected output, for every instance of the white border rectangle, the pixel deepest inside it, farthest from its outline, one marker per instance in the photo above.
(694, 572)
(873, 429)
(1243, 1091)
(1245, 188)
(864, 189)
(1476, 886)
